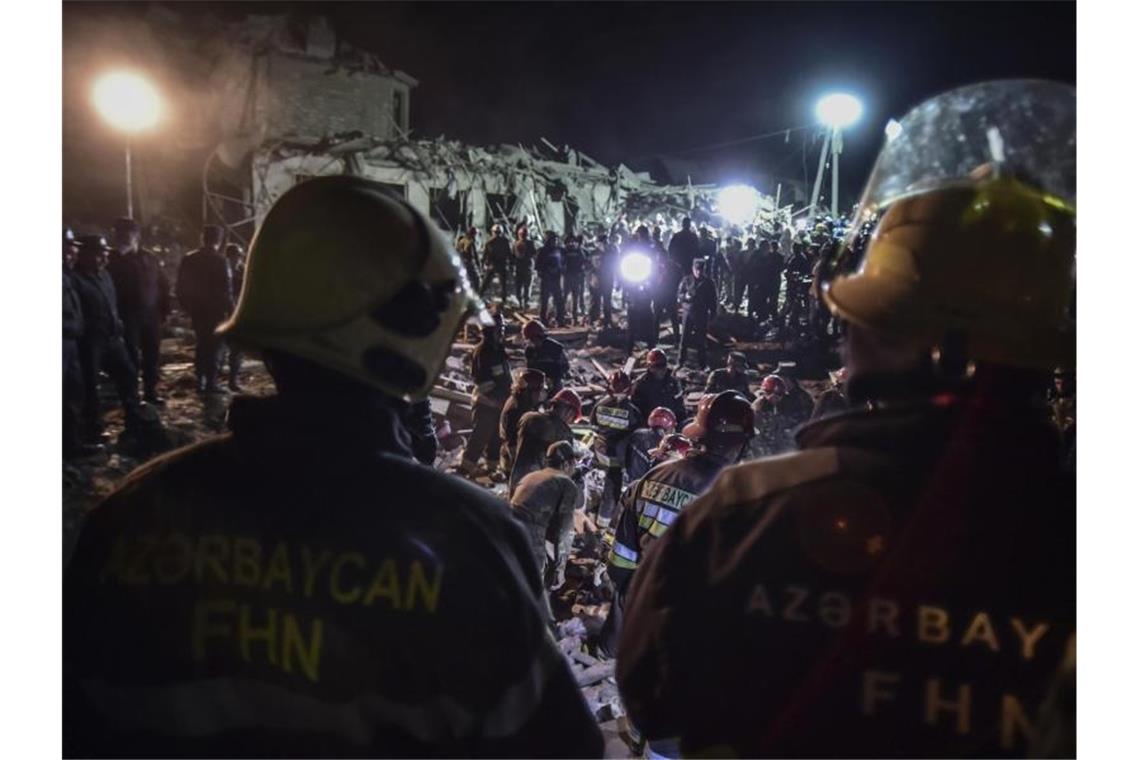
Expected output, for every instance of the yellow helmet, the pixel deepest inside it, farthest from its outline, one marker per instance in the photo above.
(980, 249)
(346, 276)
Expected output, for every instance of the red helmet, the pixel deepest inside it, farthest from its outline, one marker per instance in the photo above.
(534, 330)
(662, 417)
(531, 379)
(619, 382)
(569, 398)
(656, 358)
(725, 418)
(674, 442)
(773, 385)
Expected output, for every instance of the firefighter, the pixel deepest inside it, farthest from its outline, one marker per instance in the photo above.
(143, 293)
(550, 265)
(524, 254)
(644, 443)
(544, 503)
(466, 246)
(733, 377)
(614, 418)
(537, 430)
(658, 386)
(574, 280)
(545, 354)
(496, 257)
(776, 421)
(528, 392)
(697, 295)
(799, 403)
(300, 585)
(492, 374)
(205, 290)
(905, 583)
(719, 433)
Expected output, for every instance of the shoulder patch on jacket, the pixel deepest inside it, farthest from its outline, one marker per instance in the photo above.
(751, 481)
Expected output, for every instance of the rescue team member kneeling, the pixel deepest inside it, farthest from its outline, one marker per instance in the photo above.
(905, 584)
(300, 585)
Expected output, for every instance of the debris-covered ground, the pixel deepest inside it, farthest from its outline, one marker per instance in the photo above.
(580, 606)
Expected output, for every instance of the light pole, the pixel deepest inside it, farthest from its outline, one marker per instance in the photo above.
(836, 112)
(130, 104)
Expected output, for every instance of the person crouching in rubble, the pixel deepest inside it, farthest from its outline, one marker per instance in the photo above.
(537, 430)
(719, 433)
(614, 418)
(545, 354)
(492, 374)
(249, 595)
(527, 393)
(775, 421)
(644, 443)
(733, 377)
(544, 503)
(659, 386)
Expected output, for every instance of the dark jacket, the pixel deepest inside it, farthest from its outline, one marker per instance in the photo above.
(99, 305)
(549, 263)
(205, 286)
(574, 260)
(723, 379)
(544, 503)
(637, 458)
(614, 419)
(492, 374)
(302, 587)
(549, 357)
(903, 586)
(649, 393)
(698, 298)
(683, 248)
(496, 253)
(524, 254)
(537, 430)
(515, 407)
(141, 285)
(72, 310)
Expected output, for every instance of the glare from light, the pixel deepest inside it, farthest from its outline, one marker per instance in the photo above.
(127, 101)
(893, 129)
(839, 110)
(738, 204)
(636, 267)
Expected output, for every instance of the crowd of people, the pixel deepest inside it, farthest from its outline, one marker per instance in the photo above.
(901, 580)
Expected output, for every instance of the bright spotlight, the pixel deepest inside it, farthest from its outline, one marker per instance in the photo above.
(738, 204)
(636, 267)
(127, 101)
(839, 110)
(893, 129)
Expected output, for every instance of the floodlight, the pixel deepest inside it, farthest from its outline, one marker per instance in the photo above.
(738, 204)
(636, 267)
(127, 101)
(839, 110)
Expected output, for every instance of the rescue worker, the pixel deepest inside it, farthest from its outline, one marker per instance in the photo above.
(614, 418)
(528, 392)
(550, 266)
(764, 283)
(143, 293)
(524, 255)
(732, 377)
(496, 257)
(537, 430)
(658, 386)
(697, 295)
(466, 245)
(644, 443)
(719, 433)
(545, 354)
(492, 374)
(300, 585)
(574, 279)
(101, 347)
(73, 329)
(684, 247)
(833, 400)
(205, 290)
(544, 504)
(905, 583)
(799, 403)
(235, 255)
(604, 263)
(740, 262)
(776, 421)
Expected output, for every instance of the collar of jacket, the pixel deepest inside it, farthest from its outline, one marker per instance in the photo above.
(364, 422)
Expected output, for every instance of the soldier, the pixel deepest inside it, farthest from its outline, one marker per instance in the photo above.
(524, 255)
(301, 585)
(644, 443)
(719, 433)
(537, 430)
(143, 293)
(205, 290)
(492, 374)
(545, 354)
(733, 377)
(697, 295)
(101, 347)
(658, 386)
(466, 246)
(550, 265)
(905, 583)
(527, 393)
(544, 503)
(235, 255)
(496, 257)
(574, 279)
(614, 418)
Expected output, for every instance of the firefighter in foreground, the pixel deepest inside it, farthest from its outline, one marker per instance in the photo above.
(903, 585)
(614, 418)
(544, 503)
(719, 433)
(300, 585)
